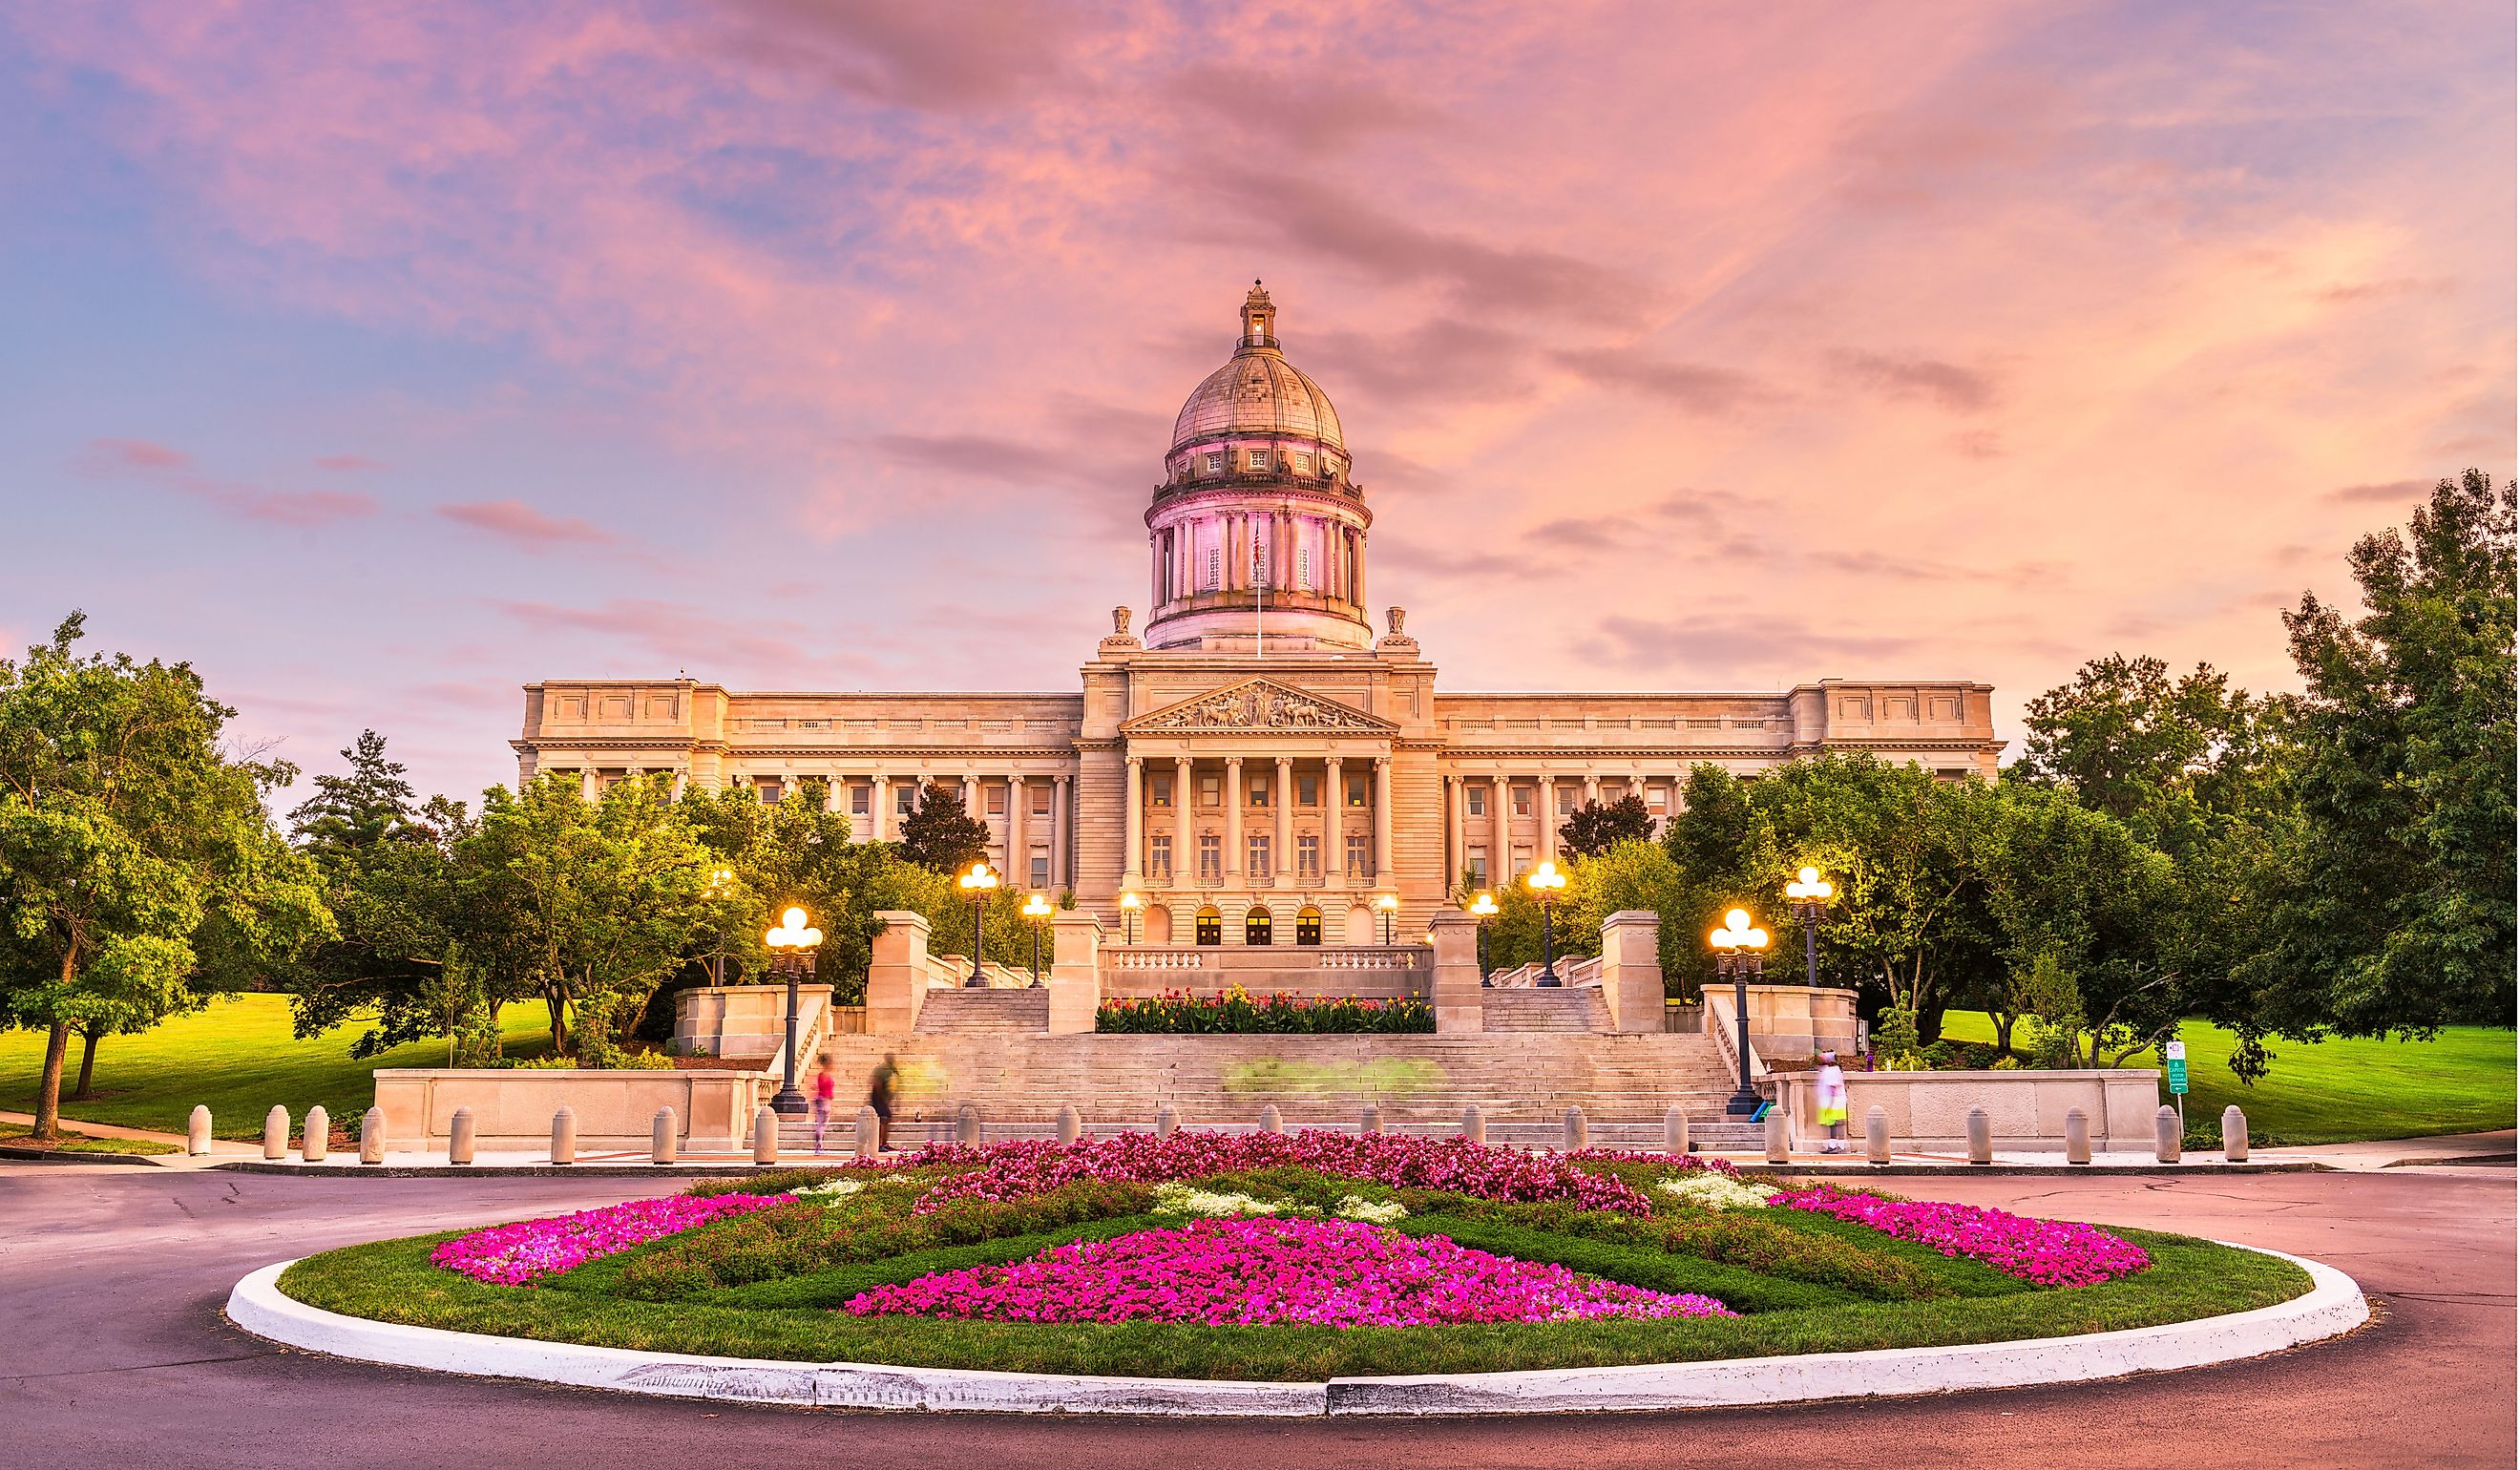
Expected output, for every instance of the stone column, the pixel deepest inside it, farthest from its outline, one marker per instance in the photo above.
(1184, 861)
(586, 782)
(1500, 833)
(1133, 821)
(1383, 874)
(1335, 833)
(1455, 855)
(1060, 822)
(971, 799)
(897, 973)
(1545, 800)
(1591, 789)
(833, 791)
(1282, 854)
(1018, 844)
(1233, 818)
(1632, 970)
(1075, 972)
(1457, 996)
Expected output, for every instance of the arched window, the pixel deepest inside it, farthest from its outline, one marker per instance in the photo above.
(1255, 925)
(1211, 925)
(1308, 925)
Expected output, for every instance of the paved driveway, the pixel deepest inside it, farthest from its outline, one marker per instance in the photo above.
(113, 1354)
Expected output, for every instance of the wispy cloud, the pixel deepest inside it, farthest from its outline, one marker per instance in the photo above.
(172, 470)
(524, 527)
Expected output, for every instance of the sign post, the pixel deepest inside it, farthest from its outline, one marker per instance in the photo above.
(2177, 1053)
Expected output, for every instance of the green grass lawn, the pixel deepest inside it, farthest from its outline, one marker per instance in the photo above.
(2340, 1090)
(19, 1135)
(239, 1057)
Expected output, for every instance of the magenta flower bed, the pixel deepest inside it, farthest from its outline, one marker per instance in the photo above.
(2049, 1252)
(1014, 1170)
(512, 1255)
(1240, 1273)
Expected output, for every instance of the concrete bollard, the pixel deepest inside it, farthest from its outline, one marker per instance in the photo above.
(197, 1131)
(1981, 1136)
(459, 1137)
(2236, 1135)
(1370, 1121)
(1271, 1121)
(317, 1139)
(966, 1125)
(1574, 1130)
(661, 1135)
(1779, 1145)
(1167, 1121)
(765, 1136)
(2078, 1136)
(1070, 1124)
(563, 1148)
(1674, 1130)
(870, 1132)
(1474, 1124)
(2165, 1133)
(1876, 1134)
(372, 1136)
(275, 1133)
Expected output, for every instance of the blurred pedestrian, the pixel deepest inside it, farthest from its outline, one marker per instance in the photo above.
(879, 1097)
(826, 1084)
(1828, 1103)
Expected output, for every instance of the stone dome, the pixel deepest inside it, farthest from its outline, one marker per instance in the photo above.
(1258, 392)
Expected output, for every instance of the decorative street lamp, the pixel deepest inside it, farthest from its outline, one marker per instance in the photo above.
(1737, 949)
(1130, 903)
(1389, 906)
(1811, 894)
(977, 883)
(792, 948)
(1546, 883)
(1484, 906)
(1035, 908)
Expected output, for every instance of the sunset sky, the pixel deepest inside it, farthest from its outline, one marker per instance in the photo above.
(381, 359)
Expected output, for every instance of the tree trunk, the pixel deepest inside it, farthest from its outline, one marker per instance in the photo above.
(2003, 1034)
(558, 1005)
(87, 1065)
(48, 1092)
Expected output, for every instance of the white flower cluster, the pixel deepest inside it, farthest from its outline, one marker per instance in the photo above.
(1204, 1204)
(1357, 1207)
(830, 1191)
(1709, 1190)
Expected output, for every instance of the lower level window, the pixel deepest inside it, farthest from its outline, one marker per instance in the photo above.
(1357, 864)
(1211, 857)
(1259, 859)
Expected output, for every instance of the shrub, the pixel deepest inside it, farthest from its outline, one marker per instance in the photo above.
(1236, 1011)
(1740, 1238)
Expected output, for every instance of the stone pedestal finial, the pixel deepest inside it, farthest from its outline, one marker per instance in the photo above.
(275, 1133)
(2078, 1136)
(966, 1125)
(1120, 622)
(1370, 1121)
(372, 1136)
(564, 1149)
(1573, 1130)
(317, 1139)
(765, 1136)
(1981, 1136)
(661, 1137)
(1876, 1134)
(1070, 1124)
(870, 1132)
(1395, 617)
(2236, 1135)
(1167, 1120)
(1776, 1136)
(1674, 1131)
(197, 1131)
(1474, 1124)
(459, 1137)
(1271, 1120)
(2165, 1133)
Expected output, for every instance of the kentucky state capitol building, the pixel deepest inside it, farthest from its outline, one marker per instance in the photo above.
(1256, 762)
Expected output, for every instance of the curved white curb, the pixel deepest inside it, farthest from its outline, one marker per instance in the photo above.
(2333, 1305)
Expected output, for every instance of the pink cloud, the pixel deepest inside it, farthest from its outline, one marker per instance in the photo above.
(522, 526)
(346, 464)
(170, 469)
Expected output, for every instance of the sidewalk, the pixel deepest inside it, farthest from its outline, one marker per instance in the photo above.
(221, 1149)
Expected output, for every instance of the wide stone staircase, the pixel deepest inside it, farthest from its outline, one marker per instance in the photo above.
(983, 1012)
(1572, 1009)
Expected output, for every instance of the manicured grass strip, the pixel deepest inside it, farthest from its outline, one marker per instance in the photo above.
(19, 1136)
(1634, 1266)
(2340, 1090)
(393, 1281)
(238, 1056)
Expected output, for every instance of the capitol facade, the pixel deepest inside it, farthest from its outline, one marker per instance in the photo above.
(1257, 762)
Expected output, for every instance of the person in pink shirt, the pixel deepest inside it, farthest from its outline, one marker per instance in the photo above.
(825, 1085)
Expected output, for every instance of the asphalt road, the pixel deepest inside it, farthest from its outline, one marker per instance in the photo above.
(113, 1354)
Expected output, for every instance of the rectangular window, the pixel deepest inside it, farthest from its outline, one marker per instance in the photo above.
(1308, 858)
(1215, 568)
(861, 799)
(1216, 464)
(1259, 790)
(1303, 462)
(1041, 800)
(1475, 868)
(1308, 790)
(1257, 849)
(1211, 857)
(1258, 459)
(1566, 797)
(905, 799)
(1211, 790)
(1159, 790)
(996, 798)
(1040, 867)
(1477, 797)
(1657, 799)
(1304, 568)
(1521, 858)
(1522, 801)
(1356, 790)
(1159, 856)
(1357, 863)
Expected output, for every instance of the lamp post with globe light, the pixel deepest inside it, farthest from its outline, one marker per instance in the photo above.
(1388, 904)
(1037, 908)
(792, 946)
(1737, 949)
(1811, 893)
(1484, 908)
(1546, 883)
(1130, 903)
(979, 882)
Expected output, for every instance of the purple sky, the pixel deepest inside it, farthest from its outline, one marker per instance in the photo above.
(380, 359)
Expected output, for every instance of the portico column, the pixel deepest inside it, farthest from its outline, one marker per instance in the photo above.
(1383, 820)
(1183, 857)
(586, 782)
(1592, 790)
(1282, 854)
(1233, 818)
(1547, 796)
(1131, 859)
(831, 783)
(1059, 877)
(1334, 836)
(1454, 818)
(1018, 849)
(880, 808)
(1500, 833)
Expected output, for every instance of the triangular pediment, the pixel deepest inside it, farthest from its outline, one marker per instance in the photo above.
(1257, 704)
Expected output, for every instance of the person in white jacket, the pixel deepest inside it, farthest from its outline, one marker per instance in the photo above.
(1829, 1102)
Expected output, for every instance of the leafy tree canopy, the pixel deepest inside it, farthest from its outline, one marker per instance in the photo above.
(1596, 826)
(939, 835)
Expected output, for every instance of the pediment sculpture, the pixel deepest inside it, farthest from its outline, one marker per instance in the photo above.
(1258, 705)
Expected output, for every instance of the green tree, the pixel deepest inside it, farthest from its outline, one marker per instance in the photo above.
(939, 835)
(139, 871)
(1596, 826)
(2169, 758)
(361, 808)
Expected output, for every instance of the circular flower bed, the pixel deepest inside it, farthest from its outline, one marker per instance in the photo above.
(1263, 1256)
